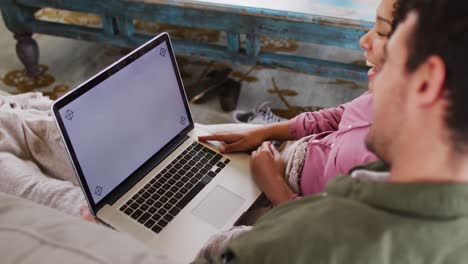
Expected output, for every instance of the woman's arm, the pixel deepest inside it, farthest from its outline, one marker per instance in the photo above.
(315, 122)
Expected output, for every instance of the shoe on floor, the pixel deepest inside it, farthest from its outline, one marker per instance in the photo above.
(229, 95)
(259, 115)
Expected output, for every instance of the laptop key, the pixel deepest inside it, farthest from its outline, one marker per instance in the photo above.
(183, 190)
(179, 184)
(162, 211)
(162, 223)
(156, 229)
(218, 170)
(211, 174)
(144, 207)
(188, 185)
(174, 189)
(198, 147)
(155, 196)
(150, 202)
(206, 179)
(167, 206)
(150, 223)
(193, 181)
(190, 195)
(137, 214)
(168, 217)
(160, 191)
(145, 195)
(152, 210)
(128, 211)
(178, 195)
(174, 211)
(144, 217)
(173, 201)
(140, 200)
(163, 199)
(134, 206)
(156, 217)
(210, 151)
(171, 182)
(215, 159)
(158, 204)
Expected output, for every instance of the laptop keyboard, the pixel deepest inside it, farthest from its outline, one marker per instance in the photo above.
(162, 198)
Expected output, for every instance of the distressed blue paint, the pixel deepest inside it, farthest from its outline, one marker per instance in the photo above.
(233, 42)
(118, 29)
(252, 45)
(125, 26)
(108, 25)
(313, 31)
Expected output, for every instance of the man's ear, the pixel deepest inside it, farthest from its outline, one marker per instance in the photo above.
(433, 75)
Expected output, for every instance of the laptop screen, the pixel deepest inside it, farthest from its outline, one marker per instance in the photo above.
(120, 123)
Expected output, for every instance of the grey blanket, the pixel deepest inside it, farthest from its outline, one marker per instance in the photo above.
(33, 160)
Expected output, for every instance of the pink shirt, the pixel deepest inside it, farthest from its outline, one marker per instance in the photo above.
(338, 144)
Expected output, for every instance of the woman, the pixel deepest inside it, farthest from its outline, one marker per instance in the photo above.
(329, 142)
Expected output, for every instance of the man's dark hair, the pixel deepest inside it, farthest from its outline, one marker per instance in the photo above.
(399, 13)
(442, 30)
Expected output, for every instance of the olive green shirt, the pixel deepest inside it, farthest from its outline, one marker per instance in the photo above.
(361, 221)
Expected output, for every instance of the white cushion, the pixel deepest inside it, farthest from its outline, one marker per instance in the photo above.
(31, 233)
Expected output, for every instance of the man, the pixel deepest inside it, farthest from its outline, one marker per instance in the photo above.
(416, 213)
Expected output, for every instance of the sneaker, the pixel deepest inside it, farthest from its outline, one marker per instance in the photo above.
(259, 115)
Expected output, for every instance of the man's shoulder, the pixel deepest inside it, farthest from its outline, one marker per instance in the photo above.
(335, 229)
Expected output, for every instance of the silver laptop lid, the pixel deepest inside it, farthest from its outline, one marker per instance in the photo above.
(122, 122)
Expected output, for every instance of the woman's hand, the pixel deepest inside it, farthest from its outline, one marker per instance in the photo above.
(238, 141)
(268, 170)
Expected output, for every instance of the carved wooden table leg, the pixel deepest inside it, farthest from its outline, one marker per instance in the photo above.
(28, 53)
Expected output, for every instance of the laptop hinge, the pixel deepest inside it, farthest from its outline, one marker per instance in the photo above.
(131, 181)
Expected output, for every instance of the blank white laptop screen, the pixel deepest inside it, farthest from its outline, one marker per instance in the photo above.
(122, 122)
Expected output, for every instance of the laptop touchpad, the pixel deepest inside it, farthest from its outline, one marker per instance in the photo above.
(218, 206)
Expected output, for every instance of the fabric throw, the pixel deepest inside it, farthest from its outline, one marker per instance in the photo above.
(294, 154)
(33, 161)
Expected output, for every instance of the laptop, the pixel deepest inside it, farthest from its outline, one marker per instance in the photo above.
(133, 144)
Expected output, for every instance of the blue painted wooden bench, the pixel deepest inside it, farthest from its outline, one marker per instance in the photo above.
(338, 23)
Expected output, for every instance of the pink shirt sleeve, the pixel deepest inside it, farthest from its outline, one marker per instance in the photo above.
(315, 122)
